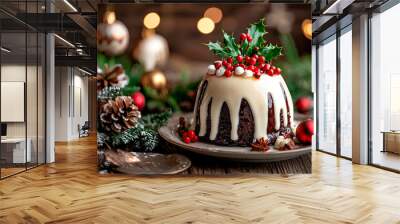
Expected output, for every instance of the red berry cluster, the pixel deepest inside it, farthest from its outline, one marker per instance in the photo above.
(186, 135)
(256, 63)
(189, 136)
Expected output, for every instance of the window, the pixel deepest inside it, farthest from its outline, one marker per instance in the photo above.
(346, 92)
(327, 95)
(385, 89)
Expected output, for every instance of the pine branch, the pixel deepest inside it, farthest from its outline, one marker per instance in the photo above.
(136, 139)
(109, 93)
(155, 121)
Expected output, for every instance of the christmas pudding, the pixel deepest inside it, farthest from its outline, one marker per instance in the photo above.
(243, 99)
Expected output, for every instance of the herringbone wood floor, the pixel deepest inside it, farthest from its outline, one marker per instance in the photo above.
(71, 191)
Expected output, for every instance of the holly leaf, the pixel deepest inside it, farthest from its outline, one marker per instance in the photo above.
(217, 49)
(257, 32)
(230, 45)
(270, 52)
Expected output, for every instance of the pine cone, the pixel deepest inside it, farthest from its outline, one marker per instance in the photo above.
(119, 114)
(114, 76)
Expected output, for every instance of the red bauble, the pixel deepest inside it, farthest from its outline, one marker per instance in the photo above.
(304, 104)
(139, 100)
(305, 131)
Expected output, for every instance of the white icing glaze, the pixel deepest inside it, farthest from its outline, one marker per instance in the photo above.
(211, 70)
(255, 91)
(220, 71)
(248, 73)
(239, 70)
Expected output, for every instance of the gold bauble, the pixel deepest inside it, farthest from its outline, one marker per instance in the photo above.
(154, 79)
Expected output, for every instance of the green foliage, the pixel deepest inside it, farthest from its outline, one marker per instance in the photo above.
(159, 102)
(296, 69)
(138, 138)
(257, 32)
(108, 93)
(156, 120)
(134, 80)
(270, 52)
(230, 48)
(184, 86)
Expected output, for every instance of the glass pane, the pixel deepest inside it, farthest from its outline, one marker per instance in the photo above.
(13, 86)
(41, 99)
(327, 96)
(346, 94)
(385, 84)
(31, 97)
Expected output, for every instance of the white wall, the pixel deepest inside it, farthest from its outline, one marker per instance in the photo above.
(71, 103)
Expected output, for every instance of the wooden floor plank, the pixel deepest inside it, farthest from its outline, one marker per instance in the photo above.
(72, 191)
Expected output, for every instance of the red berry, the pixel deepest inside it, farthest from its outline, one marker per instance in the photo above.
(266, 67)
(255, 56)
(243, 36)
(242, 65)
(250, 67)
(228, 73)
(229, 67)
(256, 48)
(184, 134)
(239, 58)
(224, 63)
(191, 134)
(273, 67)
(261, 60)
(195, 138)
(247, 59)
(257, 74)
(229, 60)
(270, 72)
(253, 61)
(278, 71)
(248, 37)
(186, 140)
(217, 65)
(256, 69)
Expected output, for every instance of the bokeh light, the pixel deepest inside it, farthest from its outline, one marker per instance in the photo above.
(205, 25)
(215, 14)
(151, 20)
(110, 17)
(306, 26)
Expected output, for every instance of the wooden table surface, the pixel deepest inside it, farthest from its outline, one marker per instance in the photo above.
(72, 191)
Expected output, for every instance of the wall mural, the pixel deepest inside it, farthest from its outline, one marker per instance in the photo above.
(204, 89)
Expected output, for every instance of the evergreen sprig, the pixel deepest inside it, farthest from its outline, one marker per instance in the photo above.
(109, 92)
(138, 138)
(231, 48)
(155, 121)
